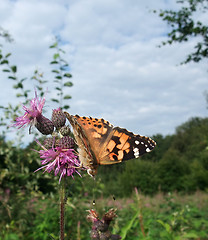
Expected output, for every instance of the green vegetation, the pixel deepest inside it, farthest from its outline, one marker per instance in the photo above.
(170, 216)
(29, 201)
(185, 24)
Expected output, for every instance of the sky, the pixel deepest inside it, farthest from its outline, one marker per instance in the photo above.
(119, 72)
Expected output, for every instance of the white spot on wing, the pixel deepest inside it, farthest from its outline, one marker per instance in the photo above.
(148, 150)
(136, 152)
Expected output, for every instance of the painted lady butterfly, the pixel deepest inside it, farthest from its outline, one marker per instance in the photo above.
(102, 144)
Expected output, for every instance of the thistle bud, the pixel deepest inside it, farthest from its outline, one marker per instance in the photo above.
(109, 216)
(65, 142)
(58, 118)
(100, 228)
(95, 235)
(44, 125)
(105, 235)
(65, 130)
(48, 143)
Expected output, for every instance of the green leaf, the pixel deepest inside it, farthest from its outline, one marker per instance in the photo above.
(165, 225)
(66, 107)
(68, 84)
(54, 45)
(56, 55)
(8, 54)
(57, 88)
(6, 70)
(14, 69)
(67, 97)
(25, 94)
(4, 61)
(190, 235)
(55, 71)
(19, 85)
(54, 62)
(68, 75)
(128, 226)
(55, 100)
(11, 77)
(58, 77)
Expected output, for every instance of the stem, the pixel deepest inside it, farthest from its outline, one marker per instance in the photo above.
(140, 212)
(62, 209)
(142, 225)
(78, 230)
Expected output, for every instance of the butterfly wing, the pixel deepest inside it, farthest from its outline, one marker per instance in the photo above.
(86, 155)
(95, 132)
(102, 144)
(124, 145)
(90, 134)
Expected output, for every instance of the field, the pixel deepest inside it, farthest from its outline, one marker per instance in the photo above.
(170, 216)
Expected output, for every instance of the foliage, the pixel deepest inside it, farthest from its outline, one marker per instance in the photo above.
(168, 216)
(185, 25)
(62, 75)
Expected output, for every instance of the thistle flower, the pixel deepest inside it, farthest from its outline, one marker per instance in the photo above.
(61, 161)
(33, 117)
(31, 113)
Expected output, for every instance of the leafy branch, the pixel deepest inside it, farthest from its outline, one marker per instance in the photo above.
(62, 75)
(184, 27)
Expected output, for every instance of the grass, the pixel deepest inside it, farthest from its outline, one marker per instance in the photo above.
(171, 216)
(167, 217)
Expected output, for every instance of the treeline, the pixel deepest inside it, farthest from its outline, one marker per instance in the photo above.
(178, 163)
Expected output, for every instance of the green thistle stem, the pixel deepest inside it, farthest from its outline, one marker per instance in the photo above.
(62, 209)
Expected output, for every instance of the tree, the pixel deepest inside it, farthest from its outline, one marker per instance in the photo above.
(185, 25)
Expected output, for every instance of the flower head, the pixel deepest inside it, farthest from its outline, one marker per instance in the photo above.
(60, 160)
(33, 116)
(31, 113)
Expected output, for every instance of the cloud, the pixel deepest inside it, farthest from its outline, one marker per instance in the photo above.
(118, 71)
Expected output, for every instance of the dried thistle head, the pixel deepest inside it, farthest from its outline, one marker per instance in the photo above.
(100, 228)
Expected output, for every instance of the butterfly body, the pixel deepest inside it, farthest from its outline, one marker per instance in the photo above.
(102, 144)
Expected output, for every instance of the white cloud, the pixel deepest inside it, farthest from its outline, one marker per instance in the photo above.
(118, 71)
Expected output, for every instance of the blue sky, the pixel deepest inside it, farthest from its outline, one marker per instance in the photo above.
(118, 71)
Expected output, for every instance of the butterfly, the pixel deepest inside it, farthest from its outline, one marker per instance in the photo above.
(99, 143)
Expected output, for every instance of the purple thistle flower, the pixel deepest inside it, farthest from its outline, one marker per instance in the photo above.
(31, 113)
(61, 161)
